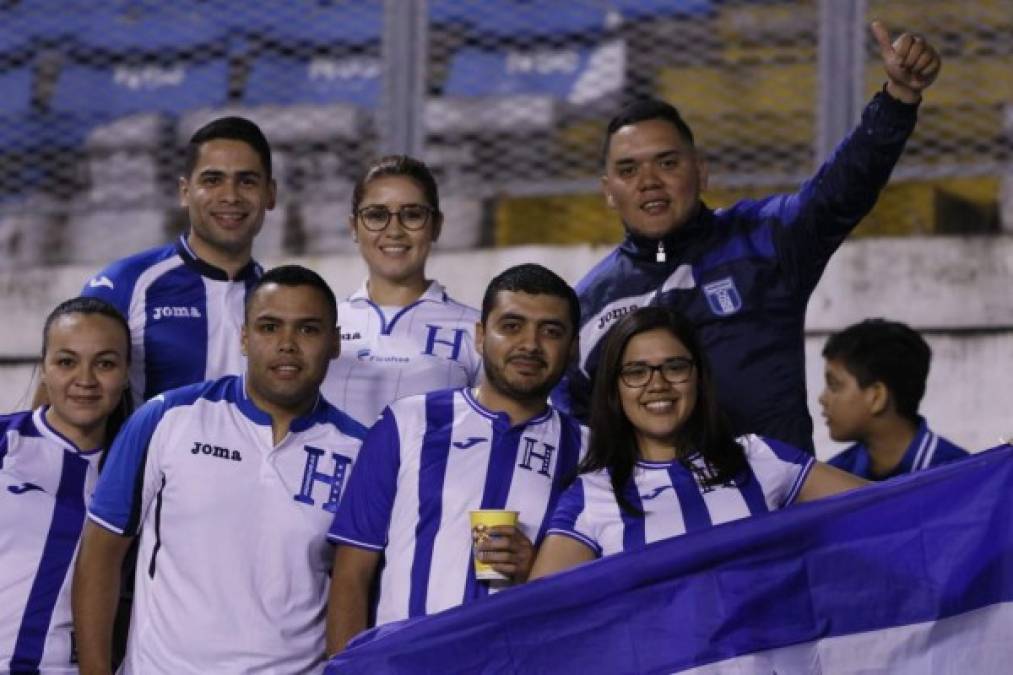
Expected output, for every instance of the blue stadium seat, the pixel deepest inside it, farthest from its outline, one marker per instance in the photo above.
(115, 91)
(319, 80)
(299, 24)
(16, 91)
(31, 133)
(522, 18)
(649, 9)
(554, 72)
(13, 42)
(163, 32)
(46, 21)
(313, 24)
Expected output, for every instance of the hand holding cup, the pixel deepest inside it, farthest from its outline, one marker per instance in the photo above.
(502, 551)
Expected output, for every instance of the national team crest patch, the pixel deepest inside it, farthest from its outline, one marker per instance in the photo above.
(723, 297)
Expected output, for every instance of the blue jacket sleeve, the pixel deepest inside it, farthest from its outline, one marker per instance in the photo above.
(810, 224)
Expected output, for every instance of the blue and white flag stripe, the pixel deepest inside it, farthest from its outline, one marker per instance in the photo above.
(914, 575)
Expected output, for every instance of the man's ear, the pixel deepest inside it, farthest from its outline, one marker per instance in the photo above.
(243, 340)
(879, 398)
(479, 337)
(702, 170)
(272, 195)
(609, 199)
(336, 346)
(184, 192)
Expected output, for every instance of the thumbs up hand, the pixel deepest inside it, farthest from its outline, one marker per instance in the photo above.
(911, 63)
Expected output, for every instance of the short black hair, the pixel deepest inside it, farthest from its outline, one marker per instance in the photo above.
(533, 279)
(877, 350)
(294, 275)
(230, 128)
(643, 110)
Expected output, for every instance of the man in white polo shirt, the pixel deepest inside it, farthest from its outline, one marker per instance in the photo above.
(231, 485)
(432, 458)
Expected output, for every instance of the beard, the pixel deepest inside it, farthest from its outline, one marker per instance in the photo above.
(496, 377)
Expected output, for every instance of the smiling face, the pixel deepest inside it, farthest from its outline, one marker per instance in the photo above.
(84, 372)
(659, 409)
(226, 196)
(395, 254)
(653, 178)
(289, 339)
(525, 344)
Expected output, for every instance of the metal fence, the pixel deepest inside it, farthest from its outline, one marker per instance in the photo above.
(506, 99)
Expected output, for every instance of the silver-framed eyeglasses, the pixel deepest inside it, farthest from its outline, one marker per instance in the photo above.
(675, 371)
(412, 216)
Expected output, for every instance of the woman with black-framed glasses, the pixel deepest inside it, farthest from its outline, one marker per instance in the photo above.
(401, 334)
(662, 461)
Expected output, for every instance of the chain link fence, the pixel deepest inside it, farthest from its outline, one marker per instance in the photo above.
(506, 99)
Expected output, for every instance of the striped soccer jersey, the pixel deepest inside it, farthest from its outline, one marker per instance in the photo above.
(233, 562)
(927, 449)
(427, 462)
(44, 482)
(674, 501)
(185, 316)
(387, 354)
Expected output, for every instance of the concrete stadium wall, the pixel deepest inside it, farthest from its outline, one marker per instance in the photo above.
(959, 291)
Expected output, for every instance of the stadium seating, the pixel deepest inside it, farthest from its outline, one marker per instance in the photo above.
(123, 160)
(97, 97)
(522, 19)
(319, 80)
(29, 231)
(97, 235)
(16, 86)
(116, 90)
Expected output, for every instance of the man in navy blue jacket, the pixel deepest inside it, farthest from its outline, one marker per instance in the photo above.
(743, 275)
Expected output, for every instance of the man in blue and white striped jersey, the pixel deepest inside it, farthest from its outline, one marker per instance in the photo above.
(184, 301)
(433, 458)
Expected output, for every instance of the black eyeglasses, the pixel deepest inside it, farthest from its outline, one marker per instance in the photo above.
(412, 216)
(675, 371)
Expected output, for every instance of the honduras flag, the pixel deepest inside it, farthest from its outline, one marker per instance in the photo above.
(911, 576)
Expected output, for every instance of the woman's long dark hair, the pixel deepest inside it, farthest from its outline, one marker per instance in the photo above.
(96, 306)
(613, 444)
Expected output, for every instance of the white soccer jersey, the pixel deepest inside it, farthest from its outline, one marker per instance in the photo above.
(233, 563)
(185, 316)
(674, 501)
(44, 482)
(387, 354)
(426, 463)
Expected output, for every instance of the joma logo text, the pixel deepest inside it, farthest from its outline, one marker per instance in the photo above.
(215, 451)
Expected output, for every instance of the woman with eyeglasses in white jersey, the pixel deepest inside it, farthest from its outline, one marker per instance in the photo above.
(401, 334)
(49, 463)
(662, 461)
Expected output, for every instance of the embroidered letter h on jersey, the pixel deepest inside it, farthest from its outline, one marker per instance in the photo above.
(335, 480)
(455, 344)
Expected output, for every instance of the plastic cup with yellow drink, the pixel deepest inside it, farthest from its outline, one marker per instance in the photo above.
(482, 521)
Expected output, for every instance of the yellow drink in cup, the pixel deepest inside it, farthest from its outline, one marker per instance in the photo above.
(481, 521)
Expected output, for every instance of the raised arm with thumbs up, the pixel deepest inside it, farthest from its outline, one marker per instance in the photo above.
(911, 63)
(743, 274)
